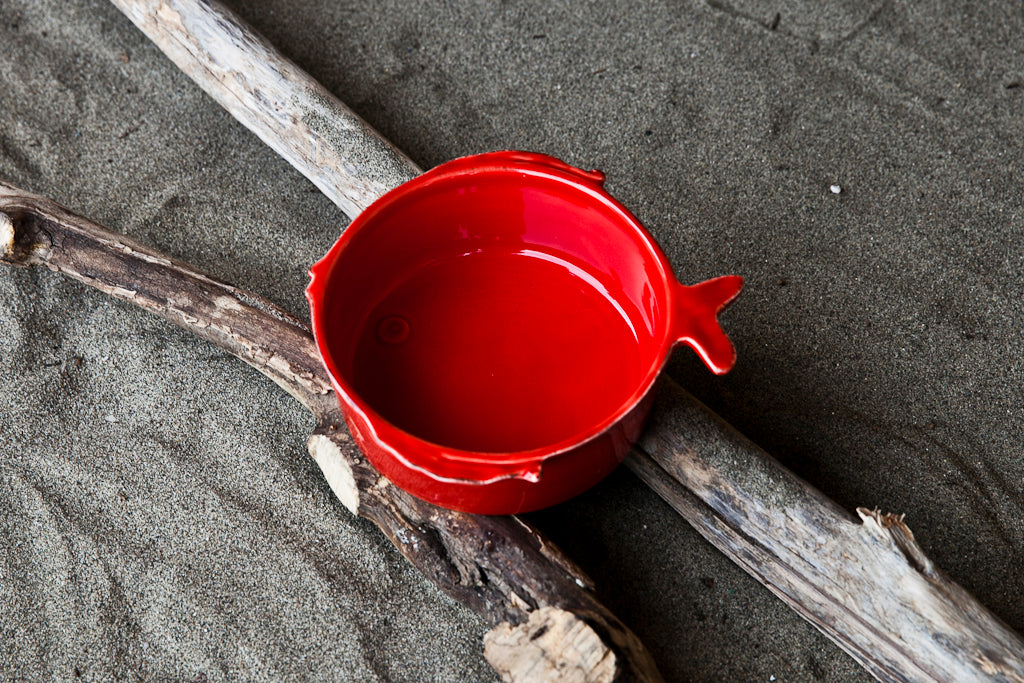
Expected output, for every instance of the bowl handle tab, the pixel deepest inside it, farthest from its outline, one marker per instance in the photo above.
(483, 472)
(318, 273)
(695, 319)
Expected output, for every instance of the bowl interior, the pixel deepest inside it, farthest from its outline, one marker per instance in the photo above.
(496, 312)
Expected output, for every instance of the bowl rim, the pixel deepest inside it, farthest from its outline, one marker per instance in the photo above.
(519, 164)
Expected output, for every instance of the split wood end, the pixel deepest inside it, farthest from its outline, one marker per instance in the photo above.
(890, 526)
(552, 645)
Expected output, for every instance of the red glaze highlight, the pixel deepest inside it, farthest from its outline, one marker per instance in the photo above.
(493, 329)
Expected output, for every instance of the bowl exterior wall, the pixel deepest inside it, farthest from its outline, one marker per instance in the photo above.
(590, 228)
(561, 477)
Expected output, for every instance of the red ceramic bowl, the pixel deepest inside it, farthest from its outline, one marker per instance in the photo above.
(495, 326)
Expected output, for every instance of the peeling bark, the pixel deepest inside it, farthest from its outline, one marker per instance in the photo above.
(524, 652)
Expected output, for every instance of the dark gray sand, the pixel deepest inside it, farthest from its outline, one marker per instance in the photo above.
(159, 518)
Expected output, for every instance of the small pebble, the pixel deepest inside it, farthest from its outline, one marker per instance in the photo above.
(835, 189)
(110, 418)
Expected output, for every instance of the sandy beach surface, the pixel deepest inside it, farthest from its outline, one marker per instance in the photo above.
(860, 163)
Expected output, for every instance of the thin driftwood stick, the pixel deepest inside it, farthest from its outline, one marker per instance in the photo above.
(867, 586)
(547, 623)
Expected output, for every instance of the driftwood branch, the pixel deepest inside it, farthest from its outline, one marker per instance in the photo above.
(866, 585)
(545, 618)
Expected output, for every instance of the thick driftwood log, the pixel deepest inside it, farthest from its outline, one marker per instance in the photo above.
(867, 586)
(501, 567)
(296, 116)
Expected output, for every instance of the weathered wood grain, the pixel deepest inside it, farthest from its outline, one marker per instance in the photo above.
(863, 582)
(296, 116)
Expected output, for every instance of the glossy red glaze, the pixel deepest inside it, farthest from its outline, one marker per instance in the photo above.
(494, 327)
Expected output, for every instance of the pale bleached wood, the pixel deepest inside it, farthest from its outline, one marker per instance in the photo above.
(867, 586)
(292, 113)
(865, 583)
(549, 630)
(501, 567)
